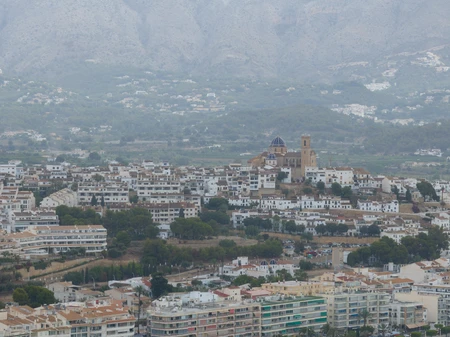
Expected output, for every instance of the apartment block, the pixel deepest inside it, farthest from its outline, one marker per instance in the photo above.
(443, 303)
(299, 288)
(91, 319)
(148, 186)
(23, 220)
(40, 241)
(407, 315)
(287, 316)
(206, 320)
(110, 192)
(344, 308)
(65, 197)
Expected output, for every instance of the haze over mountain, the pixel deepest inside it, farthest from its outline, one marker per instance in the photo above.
(302, 39)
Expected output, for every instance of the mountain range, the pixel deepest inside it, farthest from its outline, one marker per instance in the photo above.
(308, 40)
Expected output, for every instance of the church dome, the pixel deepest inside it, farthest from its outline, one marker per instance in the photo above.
(271, 156)
(278, 142)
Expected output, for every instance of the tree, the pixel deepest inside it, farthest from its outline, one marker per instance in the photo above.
(20, 296)
(366, 330)
(282, 175)
(300, 275)
(373, 230)
(34, 296)
(98, 177)
(94, 201)
(299, 247)
(308, 332)
(331, 228)
(94, 156)
(306, 265)
(251, 231)
(320, 186)
(134, 199)
(102, 201)
(190, 228)
(342, 228)
(416, 334)
(74, 277)
(427, 190)
(383, 328)
(321, 229)
(139, 290)
(445, 330)
(217, 204)
(123, 239)
(364, 314)
(336, 189)
(290, 226)
(346, 192)
(160, 285)
(408, 195)
(307, 190)
(226, 244)
(431, 333)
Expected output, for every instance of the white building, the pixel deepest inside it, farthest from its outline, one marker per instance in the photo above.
(39, 241)
(110, 192)
(375, 206)
(65, 197)
(21, 221)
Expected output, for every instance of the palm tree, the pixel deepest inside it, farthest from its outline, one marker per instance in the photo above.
(383, 328)
(365, 315)
(140, 290)
(307, 332)
(325, 328)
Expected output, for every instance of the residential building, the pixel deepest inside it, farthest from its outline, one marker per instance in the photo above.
(288, 315)
(23, 220)
(299, 288)
(407, 315)
(109, 192)
(91, 319)
(205, 315)
(65, 197)
(344, 308)
(39, 241)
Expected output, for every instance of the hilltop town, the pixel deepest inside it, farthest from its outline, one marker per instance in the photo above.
(275, 246)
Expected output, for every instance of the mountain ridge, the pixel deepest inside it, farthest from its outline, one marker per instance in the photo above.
(293, 38)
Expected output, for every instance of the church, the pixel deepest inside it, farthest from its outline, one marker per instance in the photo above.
(278, 155)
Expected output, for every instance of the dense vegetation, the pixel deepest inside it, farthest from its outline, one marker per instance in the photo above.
(157, 252)
(137, 222)
(34, 296)
(411, 249)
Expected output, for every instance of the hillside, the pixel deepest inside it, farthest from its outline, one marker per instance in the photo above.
(310, 40)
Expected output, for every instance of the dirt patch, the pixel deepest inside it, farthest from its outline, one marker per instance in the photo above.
(211, 242)
(326, 239)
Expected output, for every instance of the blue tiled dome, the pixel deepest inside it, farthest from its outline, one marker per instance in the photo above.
(278, 142)
(271, 156)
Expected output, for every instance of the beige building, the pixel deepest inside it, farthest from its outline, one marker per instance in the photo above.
(278, 155)
(407, 315)
(344, 308)
(299, 288)
(206, 319)
(93, 319)
(429, 301)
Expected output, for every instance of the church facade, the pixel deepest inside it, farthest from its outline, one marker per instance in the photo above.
(277, 155)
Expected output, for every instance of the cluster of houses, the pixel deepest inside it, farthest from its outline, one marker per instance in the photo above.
(398, 298)
(167, 192)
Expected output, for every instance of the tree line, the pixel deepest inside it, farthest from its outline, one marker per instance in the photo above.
(410, 249)
(157, 252)
(137, 222)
